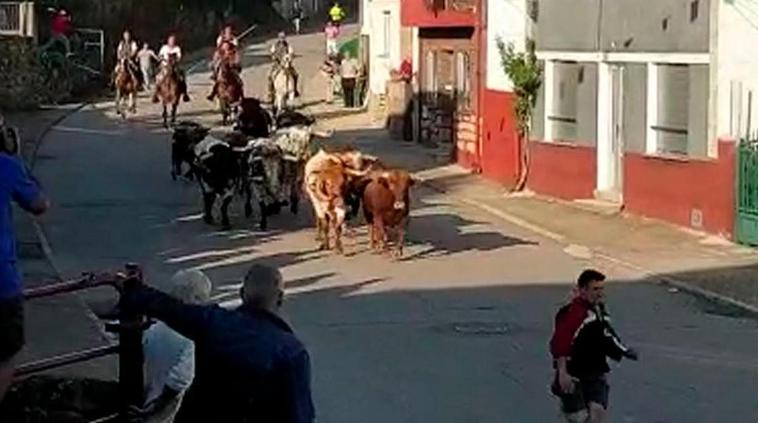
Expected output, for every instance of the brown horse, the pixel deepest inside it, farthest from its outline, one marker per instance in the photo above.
(230, 90)
(170, 89)
(126, 88)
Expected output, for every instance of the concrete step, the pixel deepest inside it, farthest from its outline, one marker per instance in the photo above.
(604, 207)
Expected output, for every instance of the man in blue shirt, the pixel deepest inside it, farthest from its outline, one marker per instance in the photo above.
(16, 185)
(249, 365)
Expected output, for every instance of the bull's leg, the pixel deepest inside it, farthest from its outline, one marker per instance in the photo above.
(173, 113)
(322, 230)
(208, 199)
(294, 201)
(380, 232)
(176, 161)
(400, 239)
(339, 221)
(248, 201)
(226, 200)
(264, 215)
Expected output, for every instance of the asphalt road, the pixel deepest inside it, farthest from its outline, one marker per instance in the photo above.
(455, 332)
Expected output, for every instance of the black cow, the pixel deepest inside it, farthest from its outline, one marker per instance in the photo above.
(292, 118)
(185, 137)
(253, 120)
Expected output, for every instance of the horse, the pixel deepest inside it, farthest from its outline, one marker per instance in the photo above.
(284, 85)
(126, 85)
(170, 89)
(230, 90)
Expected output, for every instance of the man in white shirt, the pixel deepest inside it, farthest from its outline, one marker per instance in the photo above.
(171, 48)
(170, 357)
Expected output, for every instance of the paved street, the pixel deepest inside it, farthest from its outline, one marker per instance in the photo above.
(455, 332)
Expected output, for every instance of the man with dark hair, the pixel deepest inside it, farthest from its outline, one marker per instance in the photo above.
(250, 366)
(582, 340)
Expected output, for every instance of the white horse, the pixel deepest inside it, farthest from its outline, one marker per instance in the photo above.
(284, 86)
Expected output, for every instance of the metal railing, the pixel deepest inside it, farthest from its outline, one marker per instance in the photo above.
(129, 348)
(17, 18)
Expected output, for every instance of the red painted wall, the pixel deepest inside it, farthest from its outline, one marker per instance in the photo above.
(500, 149)
(415, 13)
(562, 170)
(669, 189)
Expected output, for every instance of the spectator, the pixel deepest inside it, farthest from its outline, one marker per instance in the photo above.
(349, 71)
(337, 14)
(330, 69)
(60, 29)
(331, 33)
(16, 185)
(250, 365)
(170, 357)
(147, 59)
(297, 15)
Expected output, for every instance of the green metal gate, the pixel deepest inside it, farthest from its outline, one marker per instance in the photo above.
(747, 192)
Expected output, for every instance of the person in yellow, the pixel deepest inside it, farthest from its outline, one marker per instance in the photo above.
(336, 13)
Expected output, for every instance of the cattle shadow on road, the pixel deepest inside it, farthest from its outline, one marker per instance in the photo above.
(448, 233)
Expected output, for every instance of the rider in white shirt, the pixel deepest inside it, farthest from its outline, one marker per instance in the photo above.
(171, 48)
(127, 50)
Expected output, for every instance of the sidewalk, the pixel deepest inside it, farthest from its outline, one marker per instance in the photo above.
(60, 324)
(706, 265)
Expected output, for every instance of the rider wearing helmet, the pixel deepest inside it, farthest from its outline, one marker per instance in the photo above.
(171, 48)
(279, 50)
(127, 50)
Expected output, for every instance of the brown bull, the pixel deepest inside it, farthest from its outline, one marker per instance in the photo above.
(386, 207)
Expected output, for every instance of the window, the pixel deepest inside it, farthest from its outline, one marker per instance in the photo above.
(386, 33)
(463, 80)
(562, 116)
(671, 123)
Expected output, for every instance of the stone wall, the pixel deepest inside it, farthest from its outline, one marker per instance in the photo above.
(21, 75)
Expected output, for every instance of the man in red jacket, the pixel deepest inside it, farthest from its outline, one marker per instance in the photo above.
(582, 340)
(60, 28)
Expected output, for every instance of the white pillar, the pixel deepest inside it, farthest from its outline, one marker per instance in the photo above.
(604, 145)
(651, 136)
(549, 80)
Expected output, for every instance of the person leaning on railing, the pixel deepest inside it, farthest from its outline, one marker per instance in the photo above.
(16, 186)
(250, 366)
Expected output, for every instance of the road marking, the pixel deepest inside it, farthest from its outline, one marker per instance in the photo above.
(63, 128)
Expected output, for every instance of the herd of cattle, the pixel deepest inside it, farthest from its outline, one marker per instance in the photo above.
(272, 161)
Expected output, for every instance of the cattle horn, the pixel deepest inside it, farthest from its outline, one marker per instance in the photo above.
(356, 173)
(322, 134)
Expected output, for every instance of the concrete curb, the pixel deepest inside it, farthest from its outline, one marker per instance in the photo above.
(659, 279)
(43, 134)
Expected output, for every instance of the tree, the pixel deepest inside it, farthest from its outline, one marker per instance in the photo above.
(526, 75)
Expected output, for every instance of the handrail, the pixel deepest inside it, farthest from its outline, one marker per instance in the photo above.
(64, 360)
(129, 349)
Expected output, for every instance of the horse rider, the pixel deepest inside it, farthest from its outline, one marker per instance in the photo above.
(171, 48)
(127, 51)
(279, 50)
(227, 48)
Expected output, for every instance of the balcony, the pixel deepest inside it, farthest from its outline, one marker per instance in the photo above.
(440, 13)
